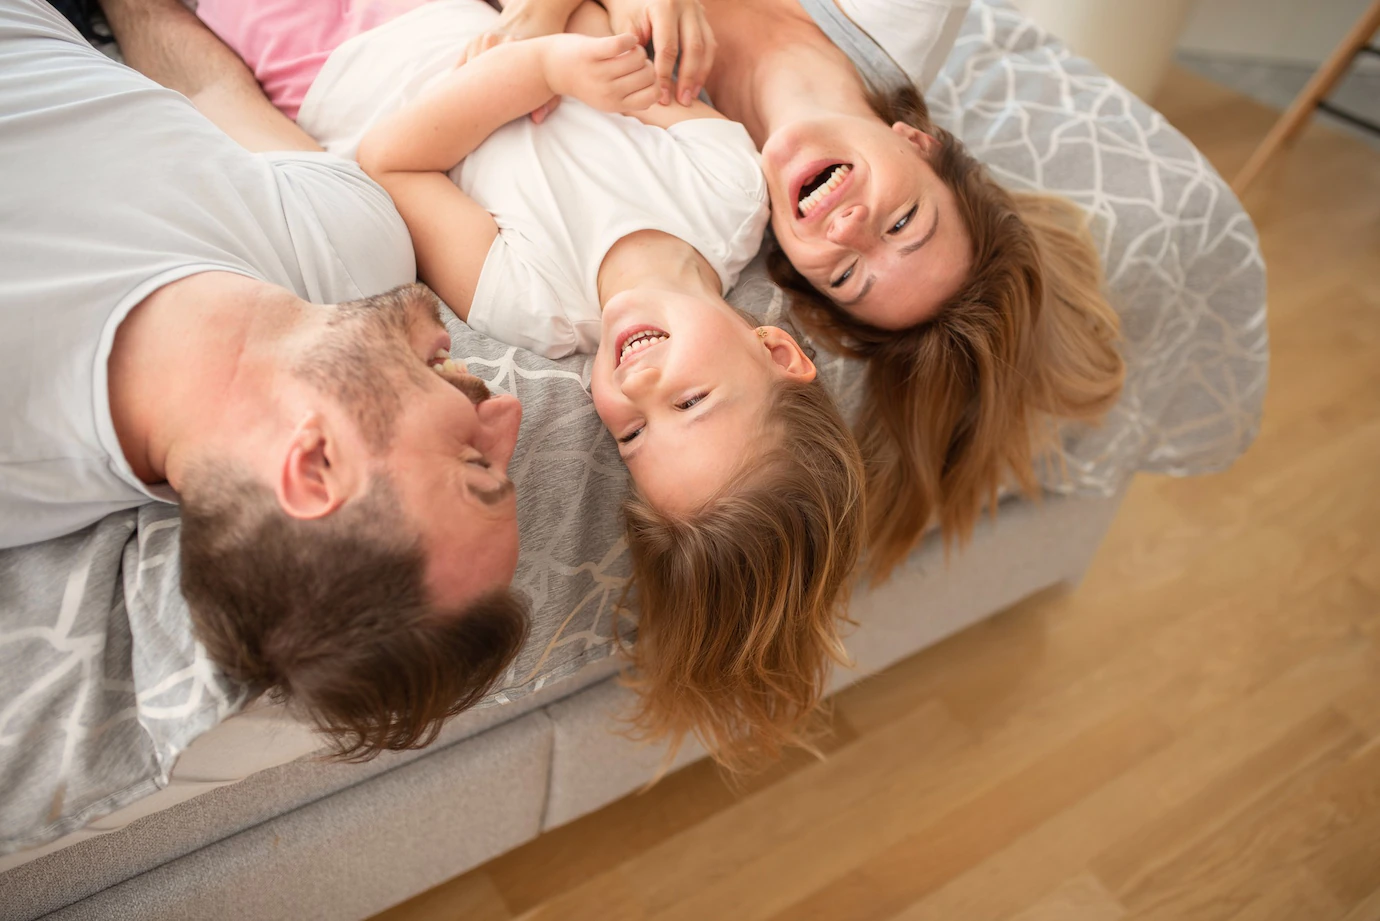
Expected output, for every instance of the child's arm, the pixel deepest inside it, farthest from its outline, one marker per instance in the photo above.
(410, 152)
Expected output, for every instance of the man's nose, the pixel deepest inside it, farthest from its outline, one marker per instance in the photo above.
(848, 226)
(500, 417)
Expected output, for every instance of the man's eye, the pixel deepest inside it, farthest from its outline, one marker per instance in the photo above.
(847, 274)
(901, 224)
(686, 404)
(480, 462)
(624, 439)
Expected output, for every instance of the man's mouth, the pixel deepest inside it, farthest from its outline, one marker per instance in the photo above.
(458, 376)
(635, 340)
(816, 188)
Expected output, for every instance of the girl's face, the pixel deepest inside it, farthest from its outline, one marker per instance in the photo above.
(864, 218)
(683, 384)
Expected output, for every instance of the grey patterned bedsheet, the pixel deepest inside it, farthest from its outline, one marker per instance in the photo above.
(101, 684)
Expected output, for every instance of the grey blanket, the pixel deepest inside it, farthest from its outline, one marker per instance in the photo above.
(102, 685)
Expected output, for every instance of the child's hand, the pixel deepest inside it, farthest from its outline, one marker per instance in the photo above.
(611, 74)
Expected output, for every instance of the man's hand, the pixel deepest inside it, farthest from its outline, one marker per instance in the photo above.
(677, 29)
(611, 74)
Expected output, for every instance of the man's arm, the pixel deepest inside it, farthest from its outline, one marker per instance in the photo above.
(165, 41)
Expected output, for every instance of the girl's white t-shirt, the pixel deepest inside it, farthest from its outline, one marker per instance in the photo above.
(562, 192)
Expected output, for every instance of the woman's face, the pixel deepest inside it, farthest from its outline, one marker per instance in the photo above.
(864, 218)
(683, 384)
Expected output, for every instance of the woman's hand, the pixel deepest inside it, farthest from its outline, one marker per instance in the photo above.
(677, 29)
(611, 74)
(521, 19)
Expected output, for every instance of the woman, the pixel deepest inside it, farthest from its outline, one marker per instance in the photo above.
(978, 310)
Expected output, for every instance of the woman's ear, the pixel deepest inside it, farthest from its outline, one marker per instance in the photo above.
(316, 477)
(788, 358)
(923, 142)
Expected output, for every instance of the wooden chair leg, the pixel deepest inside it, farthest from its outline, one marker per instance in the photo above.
(1298, 113)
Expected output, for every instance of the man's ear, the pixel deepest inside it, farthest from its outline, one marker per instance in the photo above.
(786, 354)
(317, 475)
(925, 143)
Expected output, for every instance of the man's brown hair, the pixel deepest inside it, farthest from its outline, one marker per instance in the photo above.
(964, 403)
(742, 601)
(331, 615)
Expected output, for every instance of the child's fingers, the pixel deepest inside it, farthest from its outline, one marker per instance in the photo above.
(630, 62)
(632, 84)
(542, 112)
(644, 98)
(614, 45)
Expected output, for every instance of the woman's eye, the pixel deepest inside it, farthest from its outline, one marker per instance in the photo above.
(624, 439)
(901, 224)
(686, 404)
(847, 274)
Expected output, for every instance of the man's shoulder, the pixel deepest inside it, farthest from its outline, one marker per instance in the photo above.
(348, 237)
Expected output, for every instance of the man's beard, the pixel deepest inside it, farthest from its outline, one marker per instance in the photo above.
(366, 363)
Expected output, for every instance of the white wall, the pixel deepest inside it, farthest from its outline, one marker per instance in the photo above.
(1303, 31)
(1130, 40)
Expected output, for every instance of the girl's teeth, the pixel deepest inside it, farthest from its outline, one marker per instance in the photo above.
(637, 345)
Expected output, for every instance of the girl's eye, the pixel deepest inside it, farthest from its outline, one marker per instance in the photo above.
(901, 224)
(624, 439)
(847, 274)
(686, 404)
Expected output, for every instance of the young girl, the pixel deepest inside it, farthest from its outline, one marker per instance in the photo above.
(598, 232)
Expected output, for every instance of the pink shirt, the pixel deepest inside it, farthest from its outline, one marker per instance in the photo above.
(285, 42)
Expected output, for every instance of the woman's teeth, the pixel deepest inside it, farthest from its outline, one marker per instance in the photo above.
(442, 363)
(640, 341)
(811, 201)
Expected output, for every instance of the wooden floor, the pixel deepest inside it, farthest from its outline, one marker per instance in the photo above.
(1193, 734)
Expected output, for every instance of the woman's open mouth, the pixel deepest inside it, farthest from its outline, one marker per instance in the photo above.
(817, 187)
(634, 340)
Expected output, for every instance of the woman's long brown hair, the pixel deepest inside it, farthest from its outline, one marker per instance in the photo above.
(964, 403)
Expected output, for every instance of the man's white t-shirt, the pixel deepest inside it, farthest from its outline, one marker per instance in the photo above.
(562, 192)
(113, 188)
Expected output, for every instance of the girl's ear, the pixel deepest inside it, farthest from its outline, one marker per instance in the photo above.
(787, 357)
(925, 143)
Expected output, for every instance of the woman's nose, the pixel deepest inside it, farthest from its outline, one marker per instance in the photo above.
(847, 225)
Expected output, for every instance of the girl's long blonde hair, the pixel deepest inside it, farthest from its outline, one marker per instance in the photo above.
(742, 602)
(964, 403)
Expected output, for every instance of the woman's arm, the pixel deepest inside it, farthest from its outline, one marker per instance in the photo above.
(410, 152)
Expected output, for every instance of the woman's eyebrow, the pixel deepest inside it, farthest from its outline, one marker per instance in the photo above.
(907, 250)
(492, 496)
(867, 286)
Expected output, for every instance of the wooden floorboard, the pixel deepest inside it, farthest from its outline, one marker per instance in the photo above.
(1194, 733)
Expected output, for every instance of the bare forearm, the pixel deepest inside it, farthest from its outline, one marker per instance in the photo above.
(165, 41)
(439, 130)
